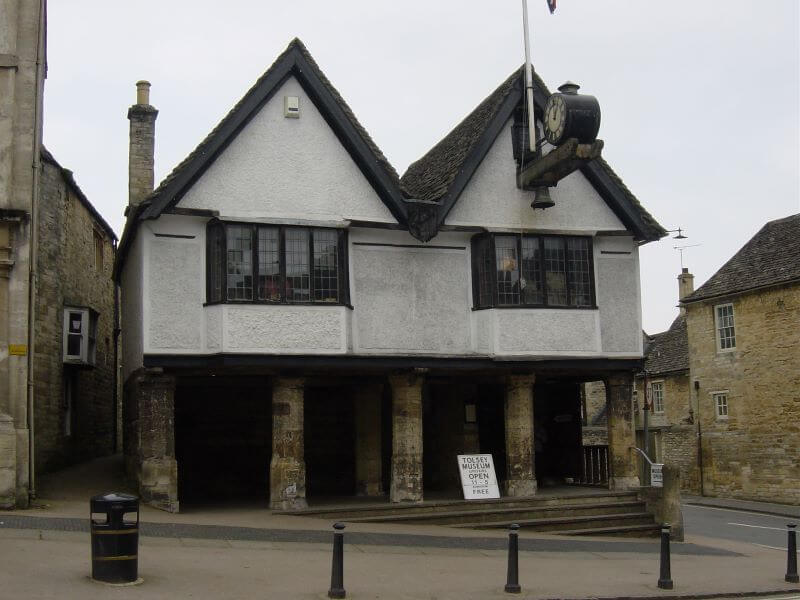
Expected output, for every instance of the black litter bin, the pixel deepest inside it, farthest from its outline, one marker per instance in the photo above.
(115, 538)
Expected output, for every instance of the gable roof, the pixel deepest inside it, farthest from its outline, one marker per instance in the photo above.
(69, 179)
(294, 61)
(771, 257)
(668, 351)
(444, 171)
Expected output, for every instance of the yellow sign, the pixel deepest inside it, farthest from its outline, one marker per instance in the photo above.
(17, 349)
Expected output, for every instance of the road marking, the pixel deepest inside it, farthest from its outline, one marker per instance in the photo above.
(782, 550)
(758, 526)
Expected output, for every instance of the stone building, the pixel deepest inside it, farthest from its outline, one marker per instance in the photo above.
(299, 321)
(22, 73)
(76, 400)
(744, 357)
(57, 298)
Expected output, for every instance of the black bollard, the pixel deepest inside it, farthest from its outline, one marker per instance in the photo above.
(791, 559)
(665, 579)
(337, 568)
(512, 577)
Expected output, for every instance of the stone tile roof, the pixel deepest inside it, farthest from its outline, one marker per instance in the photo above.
(771, 257)
(69, 178)
(668, 351)
(430, 178)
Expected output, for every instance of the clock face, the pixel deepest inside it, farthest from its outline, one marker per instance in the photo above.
(555, 118)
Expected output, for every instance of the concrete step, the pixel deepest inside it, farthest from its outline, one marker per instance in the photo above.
(380, 509)
(579, 523)
(506, 514)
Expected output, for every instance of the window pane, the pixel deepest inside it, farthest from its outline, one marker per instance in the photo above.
(240, 262)
(657, 391)
(580, 285)
(532, 290)
(507, 270)
(326, 265)
(298, 278)
(269, 266)
(555, 271)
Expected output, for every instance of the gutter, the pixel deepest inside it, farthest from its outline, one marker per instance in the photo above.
(36, 166)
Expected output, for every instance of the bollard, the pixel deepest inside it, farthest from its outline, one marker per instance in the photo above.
(791, 559)
(512, 577)
(665, 578)
(337, 568)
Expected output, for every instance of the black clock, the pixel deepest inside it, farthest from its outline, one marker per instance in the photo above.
(568, 114)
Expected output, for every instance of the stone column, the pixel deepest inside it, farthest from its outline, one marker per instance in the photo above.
(368, 440)
(406, 483)
(520, 468)
(158, 468)
(287, 468)
(621, 434)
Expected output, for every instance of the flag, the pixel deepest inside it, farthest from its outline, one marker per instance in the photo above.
(551, 4)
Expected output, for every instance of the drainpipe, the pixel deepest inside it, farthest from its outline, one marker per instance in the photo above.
(34, 253)
(115, 378)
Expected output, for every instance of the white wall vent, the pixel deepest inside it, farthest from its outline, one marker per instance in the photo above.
(291, 107)
(80, 336)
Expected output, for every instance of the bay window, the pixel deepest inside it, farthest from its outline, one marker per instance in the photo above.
(270, 264)
(532, 271)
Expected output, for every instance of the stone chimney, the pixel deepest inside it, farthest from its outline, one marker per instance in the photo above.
(142, 144)
(685, 286)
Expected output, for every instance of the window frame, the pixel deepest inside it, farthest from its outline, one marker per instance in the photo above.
(660, 383)
(715, 399)
(717, 327)
(217, 227)
(487, 242)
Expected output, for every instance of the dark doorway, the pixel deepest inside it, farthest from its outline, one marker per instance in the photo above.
(557, 433)
(490, 409)
(329, 432)
(223, 433)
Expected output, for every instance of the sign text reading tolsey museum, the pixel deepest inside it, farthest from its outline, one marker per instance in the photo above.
(477, 476)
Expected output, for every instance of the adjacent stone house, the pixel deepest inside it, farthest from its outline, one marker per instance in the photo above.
(744, 357)
(300, 321)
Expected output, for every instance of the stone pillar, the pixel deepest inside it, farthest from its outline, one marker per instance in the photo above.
(621, 434)
(368, 440)
(520, 468)
(158, 468)
(8, 462)
(406, 483)
(287, 468)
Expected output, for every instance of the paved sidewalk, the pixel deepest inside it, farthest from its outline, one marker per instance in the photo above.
(767, 508)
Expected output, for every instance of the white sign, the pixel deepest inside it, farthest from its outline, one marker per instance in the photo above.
(656, 475)
(477, 476)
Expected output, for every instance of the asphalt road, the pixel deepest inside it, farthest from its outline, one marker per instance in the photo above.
(723, 523)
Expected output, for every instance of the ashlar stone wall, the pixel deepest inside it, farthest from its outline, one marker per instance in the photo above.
(754, 453)
(69, 276)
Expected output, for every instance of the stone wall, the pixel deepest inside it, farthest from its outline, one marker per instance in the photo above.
(754, 453)
(70, 275)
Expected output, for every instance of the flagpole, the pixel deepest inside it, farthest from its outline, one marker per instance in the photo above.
(529, 80)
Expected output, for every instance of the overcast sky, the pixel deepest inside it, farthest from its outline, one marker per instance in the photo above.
(700, 100)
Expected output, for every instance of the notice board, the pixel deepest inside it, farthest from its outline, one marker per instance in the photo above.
(478, 478)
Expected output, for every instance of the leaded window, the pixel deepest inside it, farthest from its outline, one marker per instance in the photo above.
(532, 270)
(275, 264)
(726, 332)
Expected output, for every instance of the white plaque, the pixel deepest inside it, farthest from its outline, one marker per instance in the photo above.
(477, 476)
(656, 475)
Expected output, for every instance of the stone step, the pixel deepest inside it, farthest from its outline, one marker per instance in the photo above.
(509, 515)
(350, 511)
(580, 523)
(624, 531)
